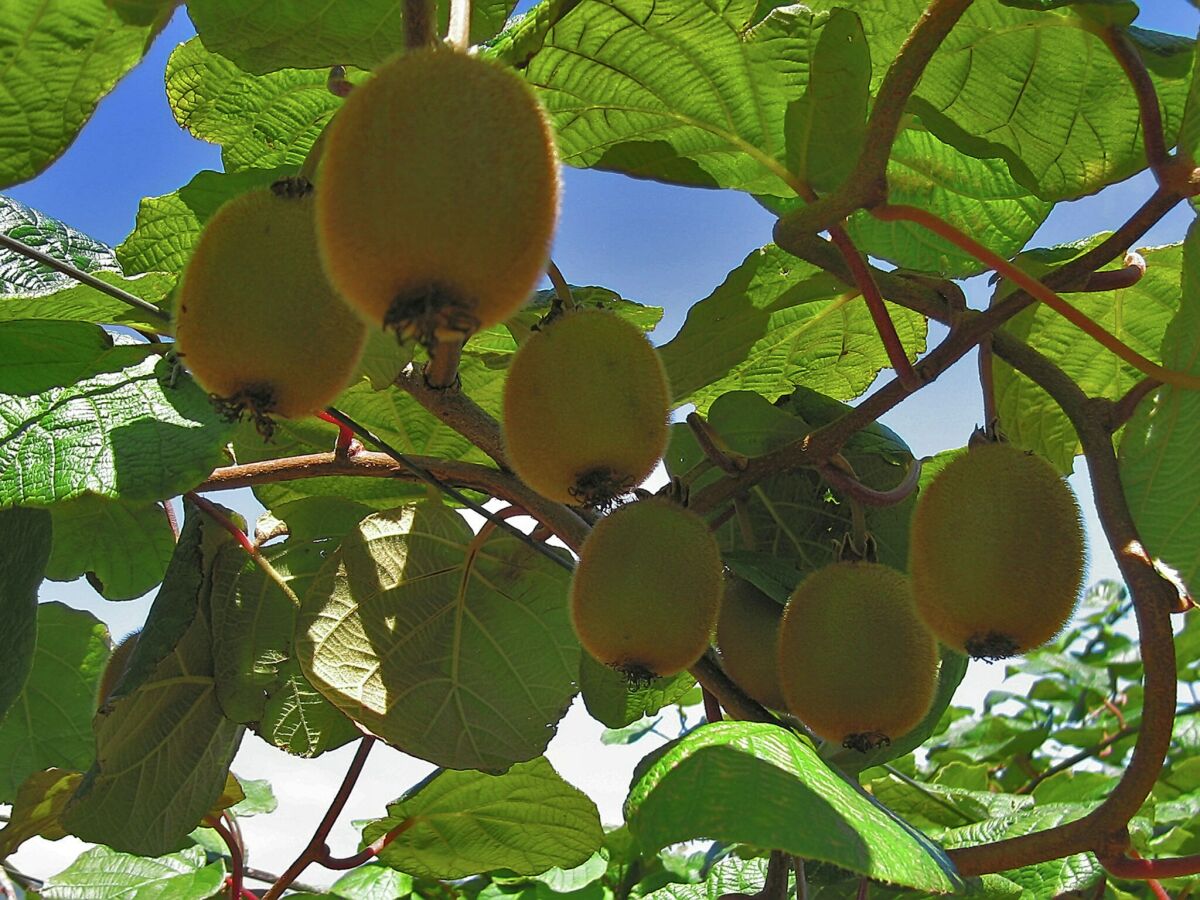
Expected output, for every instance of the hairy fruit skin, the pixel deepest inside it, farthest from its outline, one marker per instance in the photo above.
(747, 636)
(856, 664)
(256, 320)
(439, 195)
(586, 404)
(996, 552)
(645, 595)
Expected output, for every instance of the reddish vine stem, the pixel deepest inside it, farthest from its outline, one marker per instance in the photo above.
(316, 845)
(712, 706)
(366, 854)
(236, 860)
(345, 438)
(1131, 63)
(871, 496)
(215, 513)
(879, 315)
(867, 183)
(1146, 869)
(1037, 289)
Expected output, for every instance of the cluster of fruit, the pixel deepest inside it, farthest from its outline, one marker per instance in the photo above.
(432, 215)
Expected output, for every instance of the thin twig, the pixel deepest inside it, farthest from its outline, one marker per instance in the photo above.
(1124, 408)
(369, 852)
(459, 33)
(869, 495)
(1131, 62)
(714, 446)
(562, 290)
(317, 843)
(454, 408)
(236, 863)
(84, 278)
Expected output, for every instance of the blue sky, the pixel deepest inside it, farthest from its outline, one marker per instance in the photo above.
(660, 245)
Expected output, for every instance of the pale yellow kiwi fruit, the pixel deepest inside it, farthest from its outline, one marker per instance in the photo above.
(585, 408)
(996, 552)
(645, 595)
(256, 320)
(748, 638)
(856, 663)
(439, 195)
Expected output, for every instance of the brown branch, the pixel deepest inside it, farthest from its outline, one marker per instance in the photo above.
(564, 523)
(1117, 279)
(1124, 408)
(1146, 869)
(714, 447)
(454, 408)
(866, 185)
(870, 496)
(1149, 112)
(316, 845)
(420, 18)
(713, 679)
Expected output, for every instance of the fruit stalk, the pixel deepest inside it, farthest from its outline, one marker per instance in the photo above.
(419, 19)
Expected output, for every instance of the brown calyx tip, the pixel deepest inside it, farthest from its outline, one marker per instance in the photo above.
(430, 313)
(637, 676)
(256, 400)
(991, 646)
(293, 187)
(600, 487)
(863, 741)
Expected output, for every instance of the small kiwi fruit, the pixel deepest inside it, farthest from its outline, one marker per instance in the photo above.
(856, 663)
(996, 552)
(747, 636)
(645, 595)
(256, 321)
(586, 405)
(439, 195)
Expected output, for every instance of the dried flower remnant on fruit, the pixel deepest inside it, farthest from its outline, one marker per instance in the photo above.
(996, 552)
(645, 595)
(257, 323)
(439, 195)
(585, 409)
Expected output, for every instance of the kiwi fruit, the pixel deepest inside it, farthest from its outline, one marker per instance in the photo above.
(586, 405)
(856, 663)
(256, 321)
(439, 195)
(747, 636)
(645, 595)
(996, 552)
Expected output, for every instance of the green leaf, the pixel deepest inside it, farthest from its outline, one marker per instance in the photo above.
(105, 874)
(762, 785)
(260, 121)
(50, 723)
(259, 682)
(1159, 465)
(36, 808)
(123, 548)
(827, 127)
(1189, 128)
(163, 746)
(1036, 89)
(31, 290)
(680, 91)
(131, 427)
(59, 58)
(460, 823)
(1137, 315)
(262, 36)
(732, 875)
(169, 226)
(776, 322)
(155, 13)
(24, 550)
(456, 651)
(372, 882)
(1104, 12)
(613, 701)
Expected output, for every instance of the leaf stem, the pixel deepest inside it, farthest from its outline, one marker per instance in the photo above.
(1036, 289)
(1147, 869)
(82, 277)
(316, 845)
(368, 853)
(871, 496)
(236, 860)
(419, 24)
(1131, 62)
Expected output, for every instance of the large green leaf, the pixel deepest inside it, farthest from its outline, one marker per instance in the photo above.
(1159, 464)
(615, 702)
(104, 874)
(31, 290)
(461, 823)
(163, 745)
(765, 786)
(36, 808)
(776, 322)
(260, 121)
(259, 682)
(454, 650)
(1137, 315)
(58, 58)
(50, 724)
(132, 426)
(265, 35)
(679, 90)
(24, 550)
(169, 226)
(1036, 89)
(122, 547)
